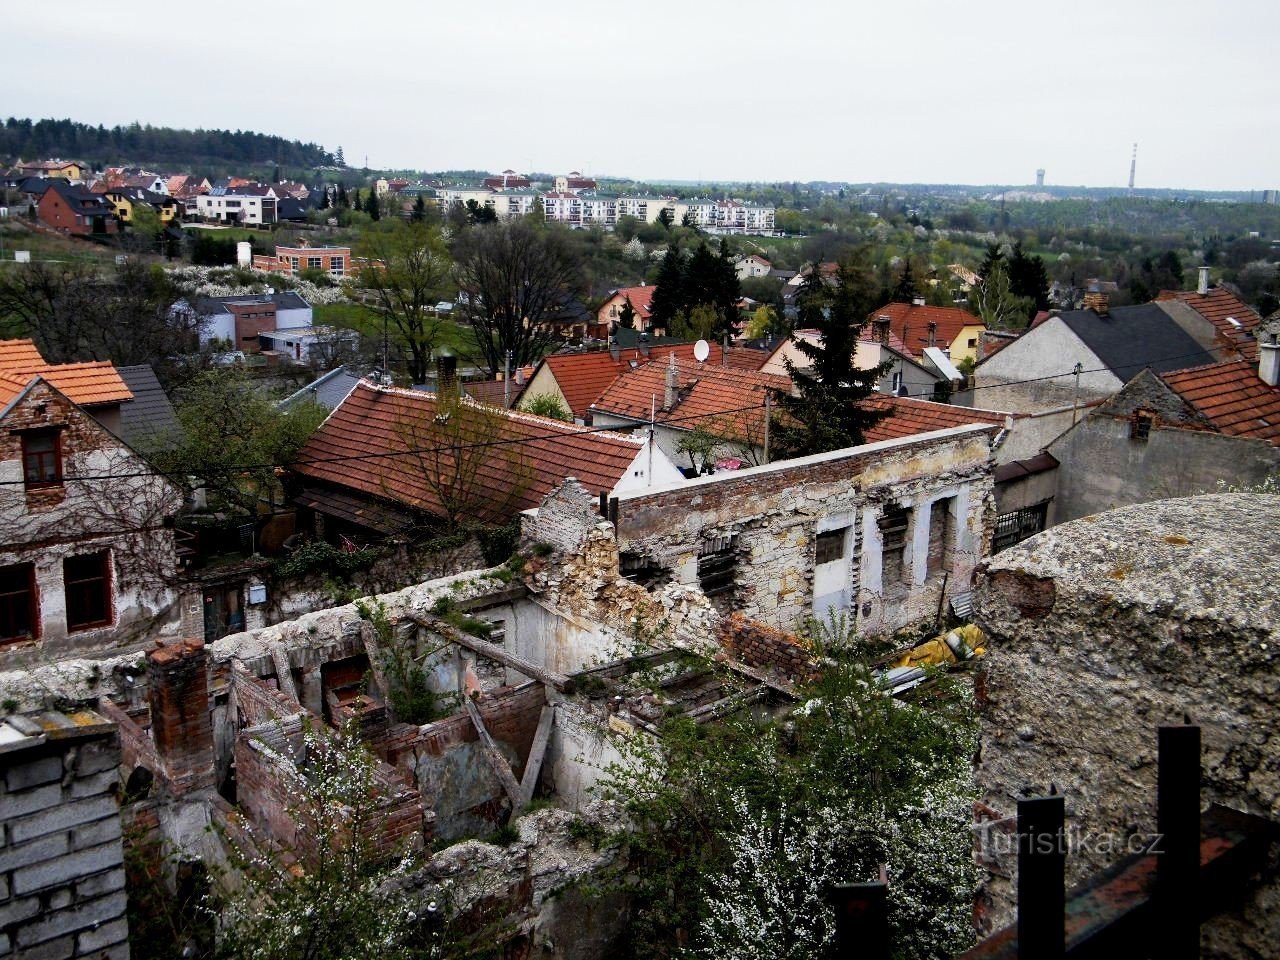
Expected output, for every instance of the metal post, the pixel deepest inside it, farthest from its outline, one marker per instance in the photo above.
(1178, 853)
(862, 921)
(768, 415)
(1075, 396)
(506, 382)
(1042, 863)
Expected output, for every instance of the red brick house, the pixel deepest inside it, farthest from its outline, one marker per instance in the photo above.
(75, 210)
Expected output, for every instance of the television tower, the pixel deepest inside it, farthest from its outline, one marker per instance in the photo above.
(1133, 168)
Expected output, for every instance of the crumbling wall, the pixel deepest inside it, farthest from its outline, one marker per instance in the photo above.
(765, 648)
(1104, 628)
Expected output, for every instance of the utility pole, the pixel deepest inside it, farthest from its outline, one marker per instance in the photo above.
(506, 382)
(386, 369)
(1075, 395)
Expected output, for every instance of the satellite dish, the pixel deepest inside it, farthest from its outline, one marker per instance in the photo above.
(701, 350)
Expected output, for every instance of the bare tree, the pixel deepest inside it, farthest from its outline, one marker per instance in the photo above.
(519, 281)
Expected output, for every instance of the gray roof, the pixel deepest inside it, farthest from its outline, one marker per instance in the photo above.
(286, 300)
(148, 419)
(328, 390)
(1127, 339)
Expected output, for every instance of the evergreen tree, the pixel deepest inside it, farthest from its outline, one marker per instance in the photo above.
(627, 314)
(1028, 277)
(326, 199)
(419, 210)
(666, 218)
(275, 174)
(812, 299)
(343, 200)
(992, 257)
(829, 413)
(904, 291)
(371, 205)
(668, 293)
(338, 158)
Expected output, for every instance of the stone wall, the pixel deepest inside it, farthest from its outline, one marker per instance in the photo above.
(1104, 628)
(61, 861)
(768, 519)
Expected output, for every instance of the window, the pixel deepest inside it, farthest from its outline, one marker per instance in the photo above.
(973, 342)
(716, 562)
(18, 612)
(87, 582)
(1018, 525)
(293, 263)
(336, 265)
(939, 535)
(314, 263)
(1140, 428)
(893, 536)
(41, 458)
(830, 545)
(897, 382)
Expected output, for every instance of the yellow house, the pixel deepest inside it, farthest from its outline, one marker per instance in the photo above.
(124, 199)
(953, 330)
(57, 169)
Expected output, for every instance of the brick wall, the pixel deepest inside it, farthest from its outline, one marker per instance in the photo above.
(765, 648)
(61, 861)
(181, 726)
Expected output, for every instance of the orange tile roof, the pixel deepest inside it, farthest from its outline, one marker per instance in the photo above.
(911, 324)
(640, 298)
(1232, 397)
(729, 401)
(1220, 306)
(908, 417)
(87, 384)
(364, 446)
(583, 377)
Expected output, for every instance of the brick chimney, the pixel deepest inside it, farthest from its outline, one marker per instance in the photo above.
(881, 328)
(446, 375)
(1269, 359)
(181, 726)
(1202, 286)
(672, 386)
(1098, 302)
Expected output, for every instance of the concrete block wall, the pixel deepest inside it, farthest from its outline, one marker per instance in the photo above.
(62, 874)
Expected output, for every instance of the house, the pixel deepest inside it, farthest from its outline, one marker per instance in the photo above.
(71, 170)
(124, 199)
(377, 465)
(242, 321)
(950, 329)
(1038, 370)
(183, 185)
(328, 390)
(251, 204)
(74, 210)
(639, 297)
(753, 265)
(335, 261)
(574, 183)
(508, 180)
(1175, 433)
(680, 396)
(87, 557)
(1234, 323)
(578, 379)
(906, 375)
(147, 421)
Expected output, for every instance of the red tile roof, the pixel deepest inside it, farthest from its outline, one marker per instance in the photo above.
(639, 297)
(911, 324)
(1220, 306)
(729, 401)
(87, 384)
(908, 417)
(583, 377)
(365, 445)
(1232, 397)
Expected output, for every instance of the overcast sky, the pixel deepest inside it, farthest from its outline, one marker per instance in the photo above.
(904, 91)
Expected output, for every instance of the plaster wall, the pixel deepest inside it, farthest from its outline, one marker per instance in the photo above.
(1046, 355)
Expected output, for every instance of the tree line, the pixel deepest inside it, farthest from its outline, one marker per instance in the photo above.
(28, 139)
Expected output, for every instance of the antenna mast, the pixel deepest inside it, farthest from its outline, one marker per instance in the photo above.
(1133, 168)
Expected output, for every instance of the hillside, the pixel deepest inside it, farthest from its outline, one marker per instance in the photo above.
(161, 146)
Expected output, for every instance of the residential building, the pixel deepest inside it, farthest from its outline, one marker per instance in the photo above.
(335, 261)
(646, 209)
(562, 207)
(725, 216)
(87, 558)
(328, 390)
(508, 180)
(242, 321)
(251, 204)
(575, 183)
(752, 265)
(72, 170)
(1038, 371)
(148, 420)
(124, 199)
(357, 482)
(639, 298)
(1174, 433)
(1234, 323)
(950, 329)
(183, 185)
(906, 375)
(74, 210)
(578, 379)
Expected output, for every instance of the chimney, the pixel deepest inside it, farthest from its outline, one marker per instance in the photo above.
(917, 301)
(644, 345)
(615, 351)
(882, 329)
(1098, 302)
(181, 726)
(1269, 360)
(670, 393)
(446, 375)
(933, 333)
(1203, 286)
(724, 352)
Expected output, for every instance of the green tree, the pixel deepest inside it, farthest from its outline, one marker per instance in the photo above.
(994, 301)
(419, 212)
(1028, 277)
(813, 298)
(827, 411)
(905, 290)
(409, 273)
(666, 218)
(233, 438)
(668, 297)
(371, 205)
(547, 405)
(627, 314)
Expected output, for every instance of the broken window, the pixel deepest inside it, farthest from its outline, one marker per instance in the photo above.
(1140, 428)
(642, 569)
(893, 536)
(18, 613)
(87, 583)
(830, 545)
(41, 458)
(939, 535)
(717, 560)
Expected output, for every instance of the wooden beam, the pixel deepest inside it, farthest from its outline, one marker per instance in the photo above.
(494, 755)
(492, 651)
(537, 751)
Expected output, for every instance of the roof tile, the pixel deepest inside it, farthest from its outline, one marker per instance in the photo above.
(1232, 397)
